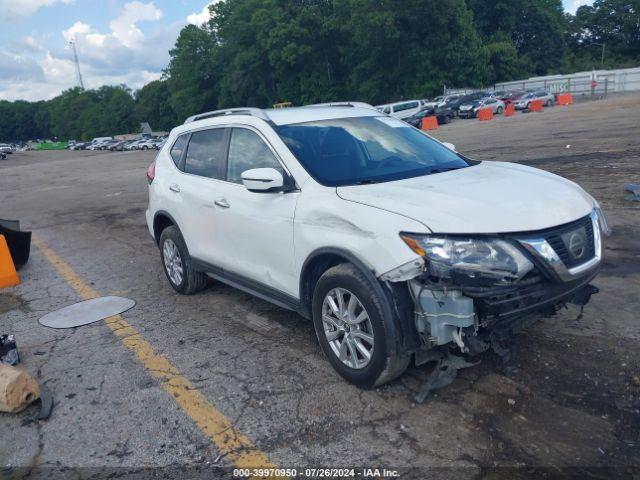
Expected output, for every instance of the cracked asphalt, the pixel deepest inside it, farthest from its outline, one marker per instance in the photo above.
(571, 405)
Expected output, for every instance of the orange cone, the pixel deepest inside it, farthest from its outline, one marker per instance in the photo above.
(429, 123)
(8, 274)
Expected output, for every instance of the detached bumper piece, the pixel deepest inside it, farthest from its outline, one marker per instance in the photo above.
(19, 242)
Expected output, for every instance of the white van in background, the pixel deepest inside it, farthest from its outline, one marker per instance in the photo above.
(401, 110)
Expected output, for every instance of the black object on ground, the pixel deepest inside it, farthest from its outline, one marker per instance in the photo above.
(46, 403)
(8, 350)
(19, 242)
(443, 374)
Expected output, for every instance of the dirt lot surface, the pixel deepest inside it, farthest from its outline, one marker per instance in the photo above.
(571, 406)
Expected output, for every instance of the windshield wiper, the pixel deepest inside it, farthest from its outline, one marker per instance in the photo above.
(366, 181)
(443, 169)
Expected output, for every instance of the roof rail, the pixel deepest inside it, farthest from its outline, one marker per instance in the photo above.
(254, 112)
(343, 104)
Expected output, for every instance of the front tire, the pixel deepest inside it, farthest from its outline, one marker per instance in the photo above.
(353, 330)
(177, 263)
(499, 110)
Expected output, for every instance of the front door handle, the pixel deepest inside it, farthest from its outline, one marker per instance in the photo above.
(222, 203)
(174, 187)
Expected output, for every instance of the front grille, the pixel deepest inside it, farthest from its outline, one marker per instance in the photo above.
(506, 303)
(557, 239)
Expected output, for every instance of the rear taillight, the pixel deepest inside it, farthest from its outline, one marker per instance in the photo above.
(151, 172)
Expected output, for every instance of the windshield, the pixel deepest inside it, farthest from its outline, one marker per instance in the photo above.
(361, 150)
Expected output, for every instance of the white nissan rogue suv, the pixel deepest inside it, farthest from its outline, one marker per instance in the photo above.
(397, 247)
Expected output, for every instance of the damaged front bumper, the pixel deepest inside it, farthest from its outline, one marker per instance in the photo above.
(469, 315)
(475, 319)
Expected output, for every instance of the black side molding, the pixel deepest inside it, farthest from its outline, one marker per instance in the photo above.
(250, 286)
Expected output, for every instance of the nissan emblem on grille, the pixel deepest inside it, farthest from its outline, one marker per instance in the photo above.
(577, 244)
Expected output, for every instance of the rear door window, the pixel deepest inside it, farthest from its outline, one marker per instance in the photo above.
(206, 153)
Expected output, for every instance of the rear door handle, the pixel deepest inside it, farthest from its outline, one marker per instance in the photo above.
(222, 203)
(174, 187)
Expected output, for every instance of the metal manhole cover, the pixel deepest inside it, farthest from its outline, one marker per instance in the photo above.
(89, 311)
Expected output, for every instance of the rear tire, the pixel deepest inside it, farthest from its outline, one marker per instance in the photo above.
(344, 340)
(179, 269)
(499, 110)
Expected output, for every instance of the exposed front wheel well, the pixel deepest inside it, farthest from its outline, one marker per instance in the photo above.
(160, 222)
(312, 271)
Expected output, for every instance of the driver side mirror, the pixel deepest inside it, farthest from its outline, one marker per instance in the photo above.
(450, 146)
(262, 180)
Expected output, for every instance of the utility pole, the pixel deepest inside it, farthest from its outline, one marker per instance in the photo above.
(602, 56)
(75, 58)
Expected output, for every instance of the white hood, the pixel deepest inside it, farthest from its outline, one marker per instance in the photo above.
(491, 197)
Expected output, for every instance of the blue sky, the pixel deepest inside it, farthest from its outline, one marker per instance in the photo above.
(118, 41)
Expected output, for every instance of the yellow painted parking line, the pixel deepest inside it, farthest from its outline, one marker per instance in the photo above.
(213, 423)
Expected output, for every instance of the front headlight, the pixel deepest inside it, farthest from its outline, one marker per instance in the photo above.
(446, 257)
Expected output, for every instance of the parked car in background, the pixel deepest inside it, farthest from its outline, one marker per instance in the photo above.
(107, 144)
(94, 146)
(396, 247)
(6, 148)
(117, 145)
(443, 114)
(509, 96)
(148, 144)
(133, 145)
(445, 99)
(455, 103)
(523, 102)
(470, 110)
(79, 146)
(402, 109)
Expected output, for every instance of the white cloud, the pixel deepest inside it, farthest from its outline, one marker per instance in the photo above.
(12, 9)
(203, 17)
(18, 68)
(573, 5)
(122, 54)
(124, 27)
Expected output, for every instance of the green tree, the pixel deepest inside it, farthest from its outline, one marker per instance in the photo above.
(153, 105)
(192, 73)
(535, 28)
(614, 23)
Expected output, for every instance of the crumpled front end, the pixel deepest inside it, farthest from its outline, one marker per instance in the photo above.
(470, 295)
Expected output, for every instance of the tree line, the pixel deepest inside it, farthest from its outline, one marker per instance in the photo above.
(261, 52)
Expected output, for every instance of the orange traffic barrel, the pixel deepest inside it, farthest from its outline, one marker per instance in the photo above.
(565, 99)
(485, 114)
(429, 123)
(8, 275)
(535, 105)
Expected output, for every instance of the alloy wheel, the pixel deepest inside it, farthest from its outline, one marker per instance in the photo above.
(348, 328)
(172, 262)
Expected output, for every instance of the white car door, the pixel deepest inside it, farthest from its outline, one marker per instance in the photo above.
(254, 231)
(193, 188)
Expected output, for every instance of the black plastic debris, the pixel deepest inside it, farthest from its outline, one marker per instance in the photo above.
(444, 372)
(8, 350)
(19, 242)
(46, 403)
